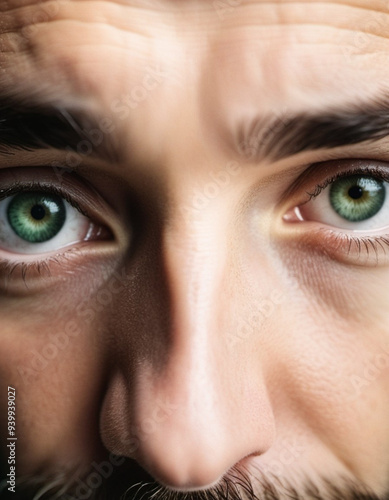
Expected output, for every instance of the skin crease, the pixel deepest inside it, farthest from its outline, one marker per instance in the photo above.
(173, 335)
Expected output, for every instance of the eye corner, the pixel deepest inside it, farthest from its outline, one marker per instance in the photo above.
(293, 215)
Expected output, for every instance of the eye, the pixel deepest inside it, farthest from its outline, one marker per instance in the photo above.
(33, 222)
(351, 202)
(341, 208)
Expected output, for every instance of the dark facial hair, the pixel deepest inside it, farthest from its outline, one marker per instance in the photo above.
(130, 482)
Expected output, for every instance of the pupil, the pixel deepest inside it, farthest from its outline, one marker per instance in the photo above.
(355, 192)
(38, 212)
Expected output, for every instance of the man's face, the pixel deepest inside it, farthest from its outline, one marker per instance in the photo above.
(194, 245)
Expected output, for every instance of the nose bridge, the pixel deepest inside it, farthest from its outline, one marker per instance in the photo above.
(194, 257)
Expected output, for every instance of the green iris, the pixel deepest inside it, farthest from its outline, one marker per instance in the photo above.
(357, 198)
(36, 216)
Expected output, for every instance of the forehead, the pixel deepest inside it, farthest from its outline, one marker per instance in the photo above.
(277, 53)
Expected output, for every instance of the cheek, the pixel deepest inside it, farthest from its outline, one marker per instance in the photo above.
(336, 359)
(53, 355)
(323, 338)
(336, 383)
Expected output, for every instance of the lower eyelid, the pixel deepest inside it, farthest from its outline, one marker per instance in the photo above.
(42, 273)
(23, 277)
(346, 247)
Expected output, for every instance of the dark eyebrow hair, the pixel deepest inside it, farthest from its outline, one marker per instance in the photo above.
(31, 126)
(285, 135)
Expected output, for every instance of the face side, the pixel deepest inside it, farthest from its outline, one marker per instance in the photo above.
(207, 328)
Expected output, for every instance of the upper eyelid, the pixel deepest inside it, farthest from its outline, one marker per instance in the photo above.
(320, 175)
(72, 187)
(36, 186)
(372, 173)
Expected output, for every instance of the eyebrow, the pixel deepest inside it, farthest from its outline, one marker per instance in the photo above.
(32, 126)
(285, 135)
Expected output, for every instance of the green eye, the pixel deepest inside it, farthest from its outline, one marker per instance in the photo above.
(357, 198)
(36, 216)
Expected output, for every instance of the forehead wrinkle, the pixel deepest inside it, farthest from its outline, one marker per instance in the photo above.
(369, 5)
(128, 52)
(104, 23)
(377, 5)
(256, 15)
(332, 14)
(38, 17)
(272, 12)
(108, 11)
(155, 4)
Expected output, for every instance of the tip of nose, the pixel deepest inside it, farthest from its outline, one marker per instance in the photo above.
(175, 472)
(189, 483)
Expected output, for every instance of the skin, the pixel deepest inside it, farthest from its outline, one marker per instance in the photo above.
(176, 367)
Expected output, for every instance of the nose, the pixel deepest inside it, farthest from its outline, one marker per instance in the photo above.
(192, 404)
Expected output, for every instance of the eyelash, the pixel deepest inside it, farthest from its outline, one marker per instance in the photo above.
(41, 268)
(375, 172)
(20, 187)
(374, 243)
